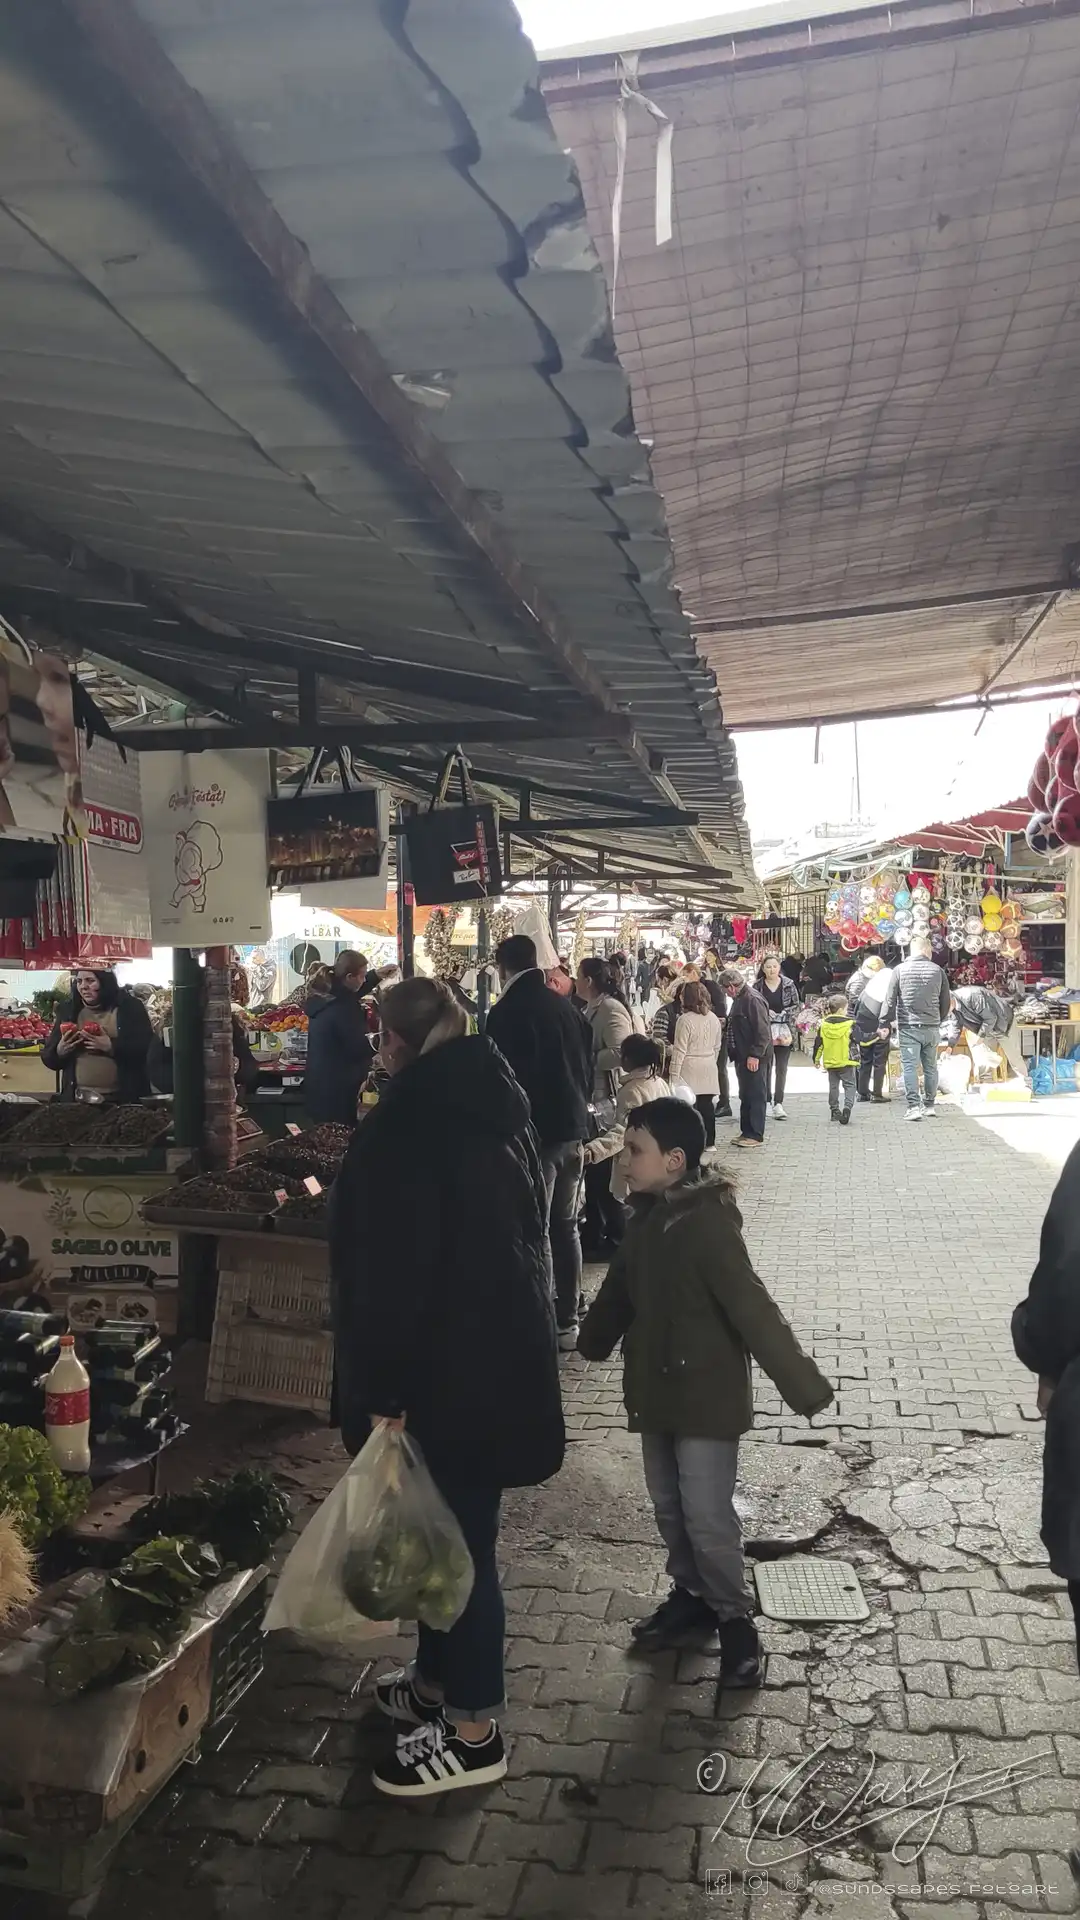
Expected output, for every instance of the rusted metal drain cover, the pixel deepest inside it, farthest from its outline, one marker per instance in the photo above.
(805, 1588)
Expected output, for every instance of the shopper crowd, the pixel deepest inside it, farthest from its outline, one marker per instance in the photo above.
(586, 1110)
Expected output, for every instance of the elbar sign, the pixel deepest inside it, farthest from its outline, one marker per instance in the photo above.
(205, 817)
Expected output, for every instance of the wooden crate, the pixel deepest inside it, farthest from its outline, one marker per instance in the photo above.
(57, 1836)
(271, 1341)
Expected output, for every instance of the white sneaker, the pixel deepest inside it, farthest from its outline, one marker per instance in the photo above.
(915, 1113)
(929, 1109)
(568, 1338)
(778, 1113)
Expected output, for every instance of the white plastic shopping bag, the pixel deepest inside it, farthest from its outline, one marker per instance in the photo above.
(383, 1546)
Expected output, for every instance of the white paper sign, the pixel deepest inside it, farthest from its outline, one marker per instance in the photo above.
(204, 817)
(118, 900)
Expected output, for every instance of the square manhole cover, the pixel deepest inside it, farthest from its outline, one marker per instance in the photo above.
(803, 1588)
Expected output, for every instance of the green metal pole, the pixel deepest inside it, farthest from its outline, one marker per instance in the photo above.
(187, 1050)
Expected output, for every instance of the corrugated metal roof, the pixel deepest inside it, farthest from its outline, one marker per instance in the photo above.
(858, 360)
(158, 412)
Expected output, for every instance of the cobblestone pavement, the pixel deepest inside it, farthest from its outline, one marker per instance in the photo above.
(899, 1252)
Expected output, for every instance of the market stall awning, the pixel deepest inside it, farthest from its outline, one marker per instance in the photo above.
(858, 357)
(312, 417)
(980, 833)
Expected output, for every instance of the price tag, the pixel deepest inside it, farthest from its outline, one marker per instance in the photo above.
(313, 1186)
(293, 1080)
(291, 1126)
(280, 1196)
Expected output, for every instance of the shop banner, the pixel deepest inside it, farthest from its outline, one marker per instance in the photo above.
(78, 1241)
(205, 824)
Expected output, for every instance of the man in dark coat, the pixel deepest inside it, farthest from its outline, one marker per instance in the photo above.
(1046, 1336)
(549, 1046)
(749, 1038)
(443, 1321)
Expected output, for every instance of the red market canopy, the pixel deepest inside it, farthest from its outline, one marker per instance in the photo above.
(980, 833)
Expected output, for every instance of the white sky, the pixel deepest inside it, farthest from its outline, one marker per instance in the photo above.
(563, 23)
(913, 771)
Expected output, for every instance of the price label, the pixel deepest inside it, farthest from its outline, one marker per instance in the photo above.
(313, 1186)
(280, 1196)
(291, 1126)
(293, 1080)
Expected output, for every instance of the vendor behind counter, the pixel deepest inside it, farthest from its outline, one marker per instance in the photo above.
(100, 1039)
(245, 1065)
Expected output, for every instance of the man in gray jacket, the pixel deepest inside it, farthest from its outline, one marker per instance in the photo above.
(918, 1000)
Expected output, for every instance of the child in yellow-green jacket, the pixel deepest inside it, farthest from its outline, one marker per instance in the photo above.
(833, 1047)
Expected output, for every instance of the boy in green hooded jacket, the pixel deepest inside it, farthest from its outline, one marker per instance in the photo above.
(691, 1313)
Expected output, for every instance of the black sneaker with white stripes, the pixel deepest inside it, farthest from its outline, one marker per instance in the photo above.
(435, 1759)
(396, 1696)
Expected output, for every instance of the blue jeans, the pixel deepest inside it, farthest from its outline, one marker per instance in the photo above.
(466, 1664)
(920, 1044)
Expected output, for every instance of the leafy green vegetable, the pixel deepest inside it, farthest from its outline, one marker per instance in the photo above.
(408, 1573)
(133, 1619)
(242, 1515)
(32, 1487)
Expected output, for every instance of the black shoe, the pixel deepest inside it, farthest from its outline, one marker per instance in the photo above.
(724, 1113)
(682, 1619)
(845, 1117)
(864, 1096)
(740, 1653)
(882, 1099)
(396, 1696)
(435, 1759)
(834, 1113)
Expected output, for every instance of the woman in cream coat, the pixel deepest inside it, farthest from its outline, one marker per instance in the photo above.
(698, 1033)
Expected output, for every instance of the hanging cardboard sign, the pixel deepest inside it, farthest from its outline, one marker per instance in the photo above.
(116, 883)
(454, 855)
(327, 834)
(39, 748)
(205, 826)
(361, 892)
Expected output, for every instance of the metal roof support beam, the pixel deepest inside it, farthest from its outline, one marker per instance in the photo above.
(234, 707)
(83, 622)
(761, 622)
(965, 703)
(262, 732)
(673, 869)
(118, 39)
(613, 823)
(514, 783)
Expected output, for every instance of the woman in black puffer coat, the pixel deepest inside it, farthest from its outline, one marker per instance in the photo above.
(444, 1319)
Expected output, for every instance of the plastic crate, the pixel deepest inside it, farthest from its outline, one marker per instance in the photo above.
(275, 1285)
(276, 1366)
(237, 1659)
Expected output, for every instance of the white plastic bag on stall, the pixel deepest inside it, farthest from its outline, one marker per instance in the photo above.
(534, 922)
(384, 1545)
